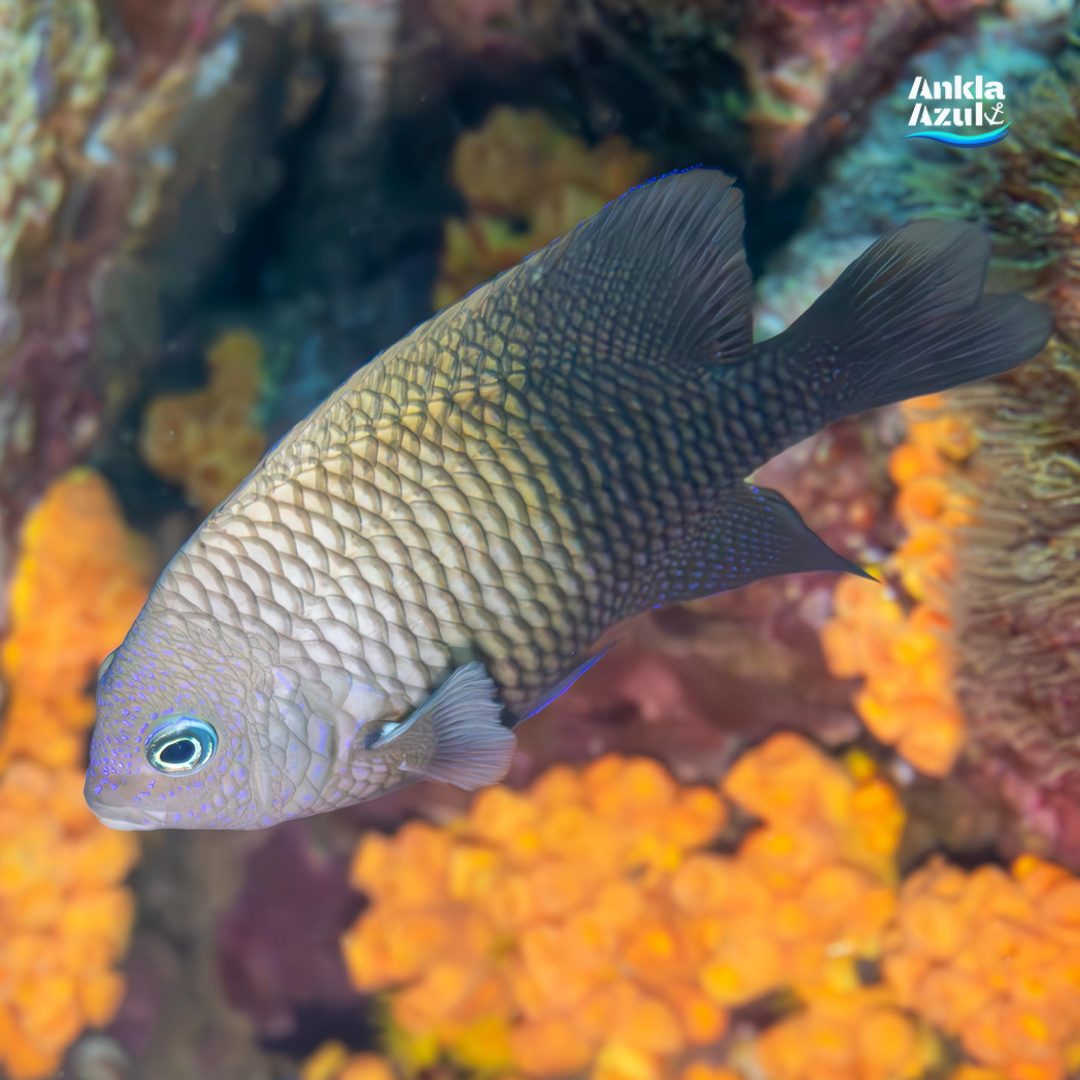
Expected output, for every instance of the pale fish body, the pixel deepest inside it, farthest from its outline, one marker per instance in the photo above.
(428, 558)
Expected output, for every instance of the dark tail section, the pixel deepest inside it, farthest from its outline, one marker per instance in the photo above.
(909, 317)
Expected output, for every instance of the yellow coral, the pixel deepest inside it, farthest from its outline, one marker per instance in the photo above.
(207, 441)
(64, 918)
(904, 654)
(526, 181)
(993, 958)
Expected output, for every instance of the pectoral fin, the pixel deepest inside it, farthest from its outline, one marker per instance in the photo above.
(756, 533)
(472, 748)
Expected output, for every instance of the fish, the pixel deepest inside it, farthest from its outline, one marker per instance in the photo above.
(432, 555)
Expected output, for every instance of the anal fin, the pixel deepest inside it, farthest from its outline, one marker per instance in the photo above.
(563, 685)
(755, 533)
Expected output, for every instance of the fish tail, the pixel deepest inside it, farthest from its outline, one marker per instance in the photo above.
(908, 317)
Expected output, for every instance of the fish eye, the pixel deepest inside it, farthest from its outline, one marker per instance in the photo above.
(181, 744)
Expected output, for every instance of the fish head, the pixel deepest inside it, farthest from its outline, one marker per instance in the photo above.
(200, 726)
(173, 744)
(210, 722)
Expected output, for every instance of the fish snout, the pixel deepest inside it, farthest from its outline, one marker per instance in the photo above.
(130, 819)
(112, 804)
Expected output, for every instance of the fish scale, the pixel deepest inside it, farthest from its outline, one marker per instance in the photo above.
(501, 468)
(429, 557)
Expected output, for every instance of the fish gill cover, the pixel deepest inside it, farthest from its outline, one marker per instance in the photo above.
(885, 889)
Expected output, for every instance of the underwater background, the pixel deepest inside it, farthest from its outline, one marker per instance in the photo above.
(814, 828)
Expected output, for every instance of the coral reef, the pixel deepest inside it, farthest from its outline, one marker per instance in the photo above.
(208, 441)
(64, 917)
(858, 1033)
(52, 78)
(333, 1061)
(588, 927)
(580, 924)
(772, 88)
(509, 943)
(608, 920)
(122, 185)
(993, 959)
(500, 932)
(814, 69)
(996, 557)
(1017, 608)
(525, 182)
(80, 582)
(900, 640)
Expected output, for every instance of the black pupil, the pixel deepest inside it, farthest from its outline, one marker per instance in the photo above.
(179, 752)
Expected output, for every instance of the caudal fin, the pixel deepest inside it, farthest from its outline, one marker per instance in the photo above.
(909, 317)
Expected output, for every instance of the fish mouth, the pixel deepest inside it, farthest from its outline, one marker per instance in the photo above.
(129, 819)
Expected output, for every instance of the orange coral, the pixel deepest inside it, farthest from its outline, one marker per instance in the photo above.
(207, 440)
(701, 1071)
(78, 586)
(903, 654)
(993, 958)
(536, 932)
(333, 1061)
(588, 927)
(64, 919)
(519, 167)
(859, 1033)
(580, 924)
(809, 892)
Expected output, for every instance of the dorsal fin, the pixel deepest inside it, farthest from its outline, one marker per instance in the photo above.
(651, 288)
(656, 279)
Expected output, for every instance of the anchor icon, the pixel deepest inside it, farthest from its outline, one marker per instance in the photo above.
(993, 117)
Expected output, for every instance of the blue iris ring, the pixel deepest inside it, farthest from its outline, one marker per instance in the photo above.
(181, 744)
